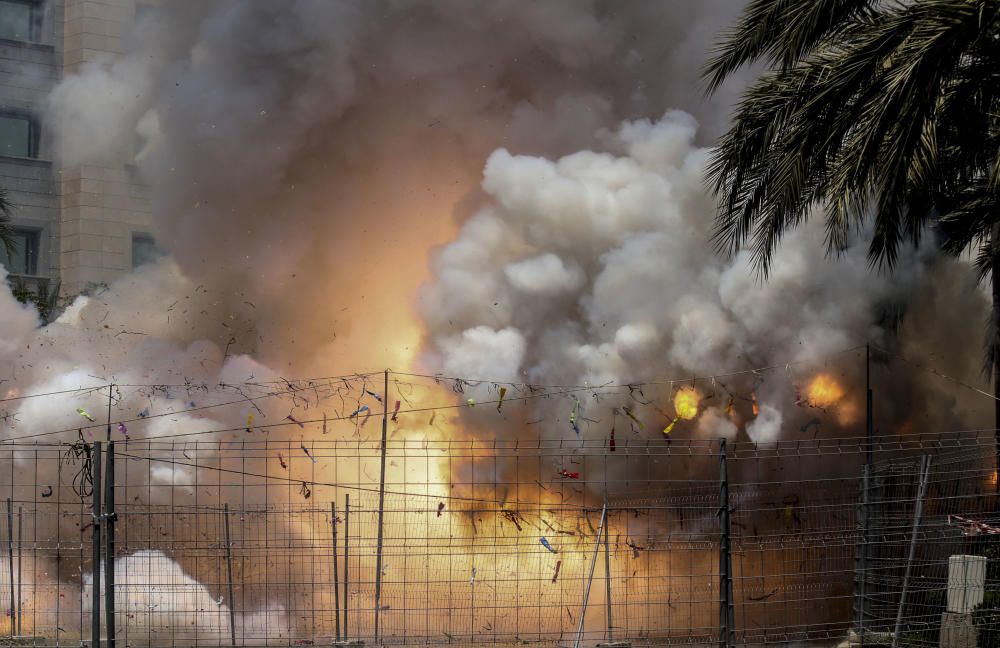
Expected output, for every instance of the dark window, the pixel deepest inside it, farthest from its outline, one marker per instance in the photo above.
(25, 258)
(20, 20)
(18, 136)
(144, 250)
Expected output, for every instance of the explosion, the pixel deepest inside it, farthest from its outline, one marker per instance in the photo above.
(686, 403)
(824, 391)
(347, 165)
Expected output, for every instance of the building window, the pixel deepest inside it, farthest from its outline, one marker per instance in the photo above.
(20, 20)
(18, 136)
(144, 250)
(24, 260)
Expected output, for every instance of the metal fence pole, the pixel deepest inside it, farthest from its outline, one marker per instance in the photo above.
(20, 569)
(95, 612)
(918, 507)
(347, 563)
(381, 505)
(109, 539)
(336, 578)
(607, 571)
(590, 578)
(861, 557)
(10, 564)
(726, 621)
(229, 574)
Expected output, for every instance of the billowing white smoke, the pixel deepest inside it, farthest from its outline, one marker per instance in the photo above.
(597, 268)
(159, 604)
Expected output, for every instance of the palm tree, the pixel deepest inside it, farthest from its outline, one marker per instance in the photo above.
(876, 112)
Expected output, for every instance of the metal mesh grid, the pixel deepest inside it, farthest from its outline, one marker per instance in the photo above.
(795, 531)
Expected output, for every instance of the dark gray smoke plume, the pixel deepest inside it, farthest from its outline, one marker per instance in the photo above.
(309, 153)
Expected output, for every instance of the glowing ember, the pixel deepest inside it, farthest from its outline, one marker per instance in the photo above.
(824, 391)
(686, 403)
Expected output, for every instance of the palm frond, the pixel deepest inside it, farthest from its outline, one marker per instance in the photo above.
(868, 122)
(782, 32)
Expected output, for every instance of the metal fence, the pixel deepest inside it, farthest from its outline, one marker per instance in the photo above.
(234, 542)
(916, 513)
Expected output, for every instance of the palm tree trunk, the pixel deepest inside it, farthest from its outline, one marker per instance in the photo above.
(995, 344)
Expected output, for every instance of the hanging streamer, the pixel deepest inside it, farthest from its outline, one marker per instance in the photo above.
(611, 441)
(354, 414)
(545, 543)
(629, 414)
(144, 413)
(440, 508)
(395, 412)
(573, 415)
(82, 412)
(296, 422)
(512, 516)
(754, 406)
(569, 475)
(281, 460)
(503, 392)
(306, 451)
(813, 422)
(123, 431)
(305, 491)
(373, 395)
(471, 402)
(670, 426)
(555, 575)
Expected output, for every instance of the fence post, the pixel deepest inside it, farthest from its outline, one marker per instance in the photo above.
(20, 570)
(10, 563)
(381, 505)
(229, 574)
(590, 578)
(347, 563)
(109, 539)
(726, 621)
(336, 578)
(95, 612)
(918, 507)
(607, 568)
(861, 557)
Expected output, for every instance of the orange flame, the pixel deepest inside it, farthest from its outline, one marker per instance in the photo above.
(824, 391)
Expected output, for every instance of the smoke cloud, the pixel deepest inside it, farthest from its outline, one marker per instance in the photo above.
(509, 191)
(596, 268)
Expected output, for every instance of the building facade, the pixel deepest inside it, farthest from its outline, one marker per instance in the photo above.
(75, 227)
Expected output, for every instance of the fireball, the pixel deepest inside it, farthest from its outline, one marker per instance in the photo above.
(824, 391)
(686, 403)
